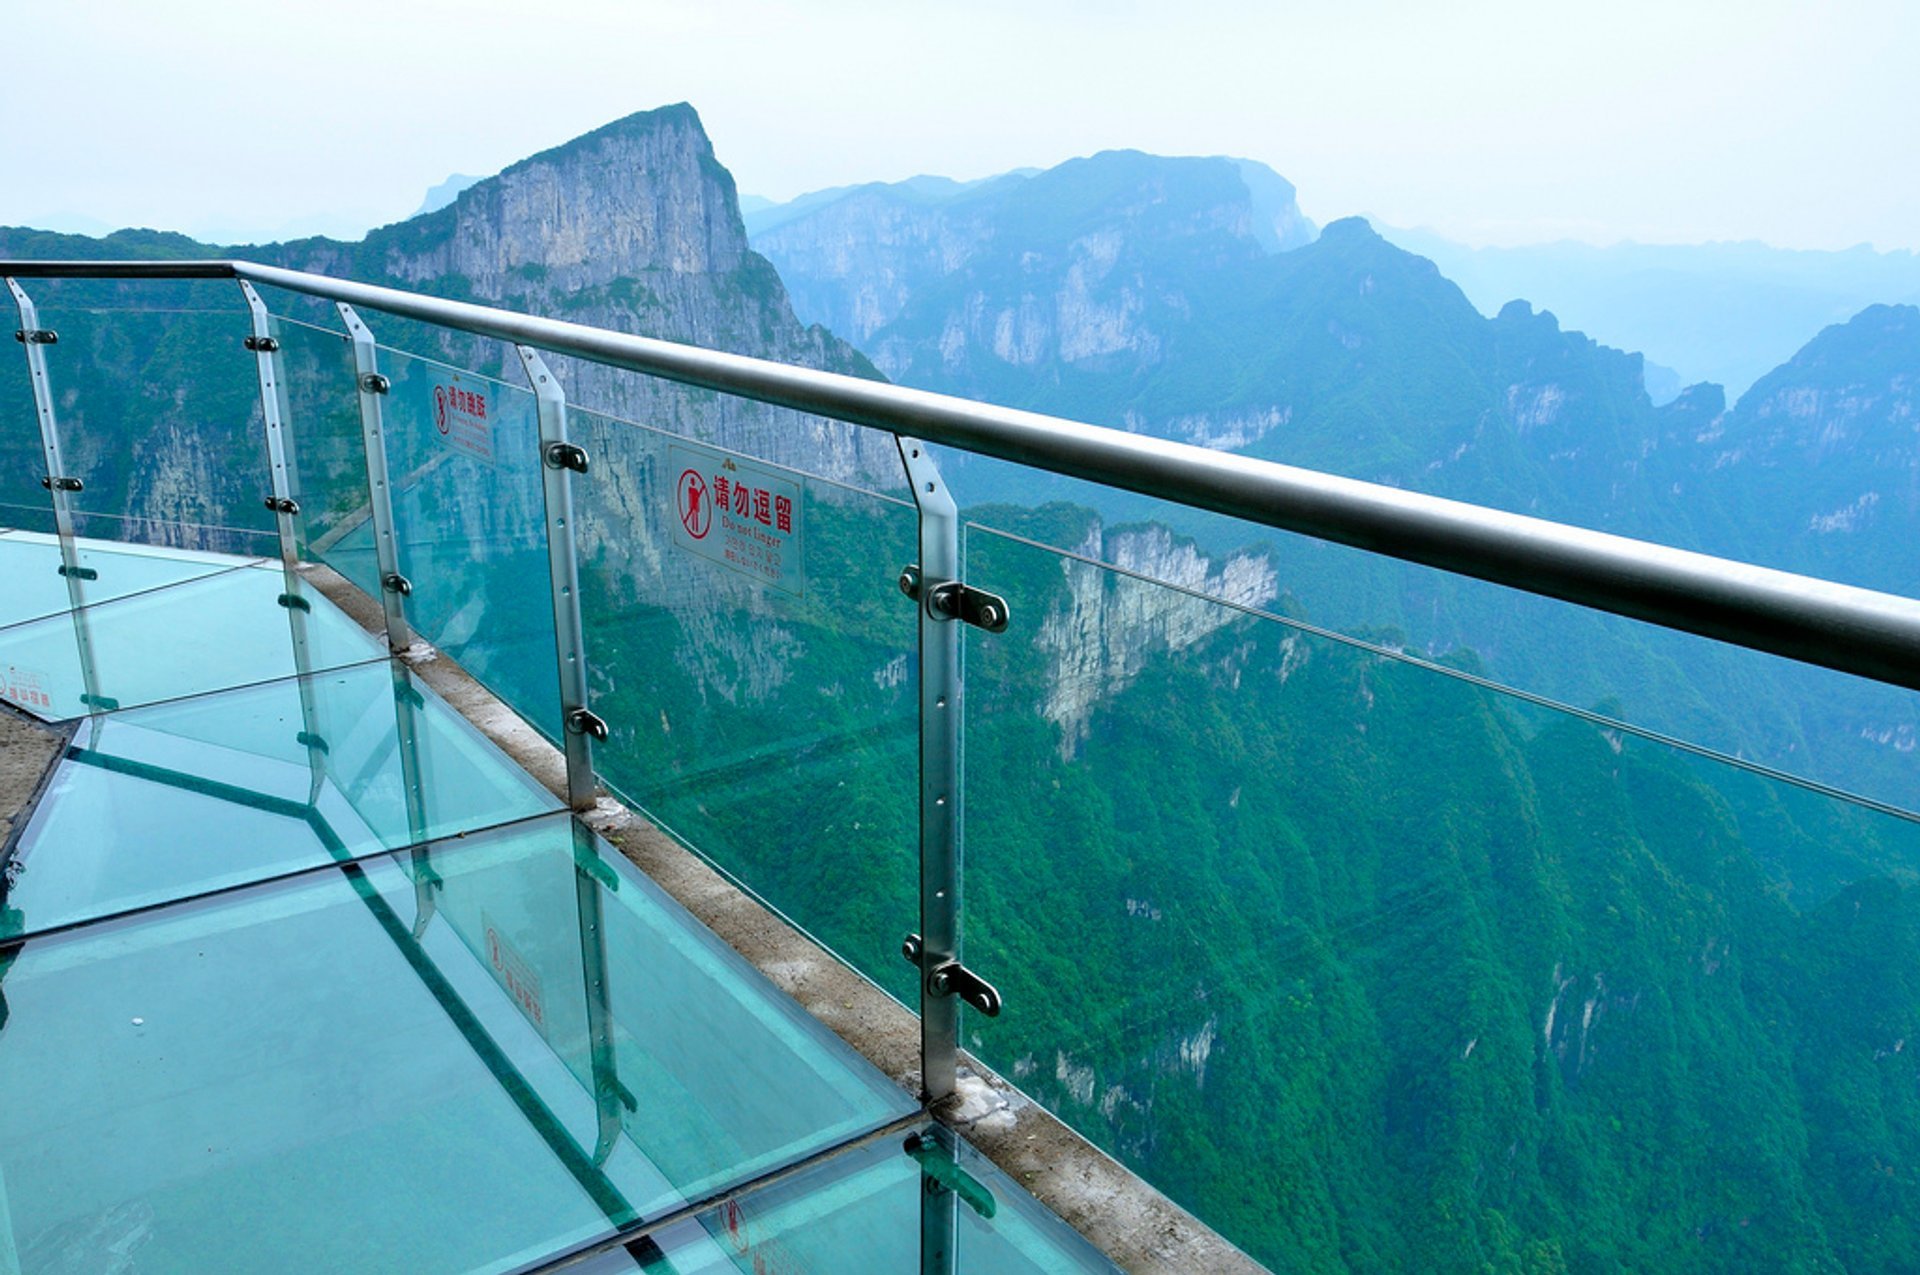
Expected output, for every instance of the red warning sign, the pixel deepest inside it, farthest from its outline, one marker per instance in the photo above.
(740, 514)
(463, 416)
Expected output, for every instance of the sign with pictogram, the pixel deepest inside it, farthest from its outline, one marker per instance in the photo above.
(463, 415)
(739, 513)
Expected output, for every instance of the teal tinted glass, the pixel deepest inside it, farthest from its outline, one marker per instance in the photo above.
(1433, 928)
(23, 504)
(230, 629)
(159, 417)
(863, 1210)
(755, 661)
(326, 454)
(290, 1057)
(463, 462)
(161, 803)
(37, 585)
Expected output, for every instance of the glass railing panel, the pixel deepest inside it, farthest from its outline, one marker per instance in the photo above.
(321, 1074)
(1373, 965)
(464, 464)
(756, 666)
(23, 504)
(30, 563)
(327, 455)
(1847, 732)
(234, 628)
(159, 417)
(862, 1211)
(161, 803)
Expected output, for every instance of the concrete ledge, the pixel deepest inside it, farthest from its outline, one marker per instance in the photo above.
(1132, 1223)
(28, 750)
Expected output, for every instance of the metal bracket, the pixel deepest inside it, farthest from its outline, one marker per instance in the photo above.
(36, 336)
(394, 582)
(262, 344)
(567, 456)
(294, 602)
(375, 383)
(52, 483)
(283, 504)
(313, 741)
(79, 573)
(963, 602)
(584, 721)
(105, 703)
(951, 978)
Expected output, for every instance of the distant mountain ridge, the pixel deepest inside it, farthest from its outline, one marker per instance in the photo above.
(854, 256)
(1721, 312)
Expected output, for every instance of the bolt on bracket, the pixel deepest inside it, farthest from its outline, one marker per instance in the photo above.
(566, 456)
(956, 601)
(36, 336)
(53, 482)
(262, 344)
(375, 383)
(582, 721)
(951, 978)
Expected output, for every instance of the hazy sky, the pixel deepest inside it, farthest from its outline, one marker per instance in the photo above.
(1679, 120)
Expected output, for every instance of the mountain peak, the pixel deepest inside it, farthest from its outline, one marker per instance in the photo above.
(639, 195)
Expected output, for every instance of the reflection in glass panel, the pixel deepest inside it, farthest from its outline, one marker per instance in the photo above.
(159, 417)
(863, 1210)
(292, 1056)
(754, 657)
(234, 628)
(1398, 972)
(160, 803)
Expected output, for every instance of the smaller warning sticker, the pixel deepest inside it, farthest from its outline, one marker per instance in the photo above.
(738, 513)
(25, 687)
(463, 416)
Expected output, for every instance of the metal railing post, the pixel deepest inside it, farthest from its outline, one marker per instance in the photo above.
(559, 461)
(938, 945)
(372, 387)
(60, 487)
(284, 501)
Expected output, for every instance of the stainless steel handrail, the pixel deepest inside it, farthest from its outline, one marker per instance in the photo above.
(1854, 630)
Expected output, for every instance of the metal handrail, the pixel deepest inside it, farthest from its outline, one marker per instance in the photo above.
(1854, 630)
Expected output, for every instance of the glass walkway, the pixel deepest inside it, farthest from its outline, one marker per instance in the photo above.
(299, 972)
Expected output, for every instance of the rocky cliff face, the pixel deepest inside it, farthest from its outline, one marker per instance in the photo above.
(1029, 270)
(633, 227)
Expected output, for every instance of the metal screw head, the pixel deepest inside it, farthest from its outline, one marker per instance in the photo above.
(941, 983)
(990, 616)
(910, 580)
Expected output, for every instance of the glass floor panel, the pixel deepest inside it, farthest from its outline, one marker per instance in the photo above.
(201, 635)
(863, 1210)
(35, 588)
(331, 1073)
(155, 804)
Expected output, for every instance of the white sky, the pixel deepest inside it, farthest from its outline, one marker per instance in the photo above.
(1675, 120)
